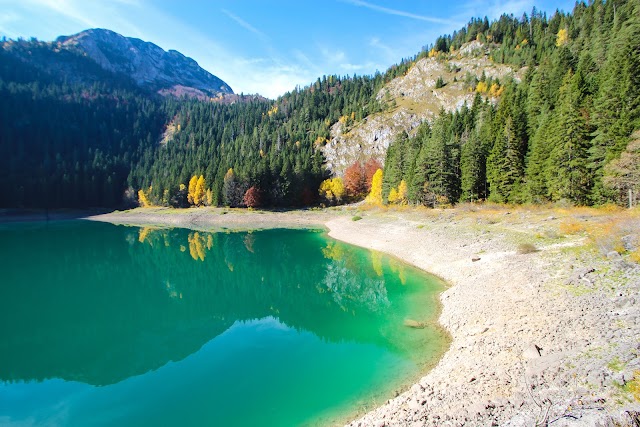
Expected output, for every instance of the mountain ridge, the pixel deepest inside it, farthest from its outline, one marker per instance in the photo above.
(146, 64)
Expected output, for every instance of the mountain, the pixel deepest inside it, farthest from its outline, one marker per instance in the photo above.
(416, 97)
(99, 55)
(517, 110)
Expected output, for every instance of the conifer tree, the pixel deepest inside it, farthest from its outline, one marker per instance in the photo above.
(473, 168)
(567, 173)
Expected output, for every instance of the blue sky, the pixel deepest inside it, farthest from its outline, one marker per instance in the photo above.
(267, 47)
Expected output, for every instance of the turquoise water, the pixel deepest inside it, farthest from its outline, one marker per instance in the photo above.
(105, 325)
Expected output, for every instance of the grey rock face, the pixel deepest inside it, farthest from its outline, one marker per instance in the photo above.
(147, 64)
(416, 100)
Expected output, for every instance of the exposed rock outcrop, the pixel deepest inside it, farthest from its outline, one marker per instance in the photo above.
(416, 99)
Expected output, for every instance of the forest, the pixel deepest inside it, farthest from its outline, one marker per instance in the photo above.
(565, 133)
(568, 132)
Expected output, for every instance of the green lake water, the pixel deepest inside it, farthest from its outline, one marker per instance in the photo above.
(104, 325)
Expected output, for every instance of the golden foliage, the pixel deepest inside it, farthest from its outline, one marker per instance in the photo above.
(571, 227)
(192, 189)
(633, 386)
(496, 90)
(334, 251)
(562, 38)
(143, 198)
(319, 141)
(376, 262)
(197, 244)
(482, 87)
(199, 192)
(144, 233)
(402, 195)
(332, 189)
(375, 195)
(273, 110)
(393, 196)
(433, 52)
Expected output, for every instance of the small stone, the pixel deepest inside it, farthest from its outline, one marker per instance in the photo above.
(475, 258)
(532, 352)
(613, 255)
(413, 324)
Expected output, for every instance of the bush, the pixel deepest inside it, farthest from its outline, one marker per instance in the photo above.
(356, 218)
(526, 248)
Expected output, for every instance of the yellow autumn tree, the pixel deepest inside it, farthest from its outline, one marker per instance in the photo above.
(562, 38)
(209, 198)
(143, 198)
(393, 196)
(197, 246)
(399, 195)
(482, 87)
(332, 189)
(375, 195)
(403, 192)
(496, 90)
(199, 192)
(193, 182)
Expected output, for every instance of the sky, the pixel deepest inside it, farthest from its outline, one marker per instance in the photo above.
(268, 46)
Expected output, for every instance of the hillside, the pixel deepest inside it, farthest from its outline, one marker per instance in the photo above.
(415, 98)
(73, 59)
(530, 109)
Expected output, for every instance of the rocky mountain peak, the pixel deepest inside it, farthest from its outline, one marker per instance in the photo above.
(147, 64)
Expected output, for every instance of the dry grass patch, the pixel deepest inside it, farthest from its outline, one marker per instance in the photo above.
(526, 248)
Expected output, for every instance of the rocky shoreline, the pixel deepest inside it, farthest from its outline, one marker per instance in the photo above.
(544, 328)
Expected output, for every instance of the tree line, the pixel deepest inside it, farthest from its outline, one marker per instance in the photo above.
(565, 132)
(562, 134)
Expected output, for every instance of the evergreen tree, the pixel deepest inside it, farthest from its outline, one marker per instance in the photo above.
(567, 173)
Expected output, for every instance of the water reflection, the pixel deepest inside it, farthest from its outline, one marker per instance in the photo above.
(97, 304)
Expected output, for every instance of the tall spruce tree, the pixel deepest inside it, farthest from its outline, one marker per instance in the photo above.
(567, 173)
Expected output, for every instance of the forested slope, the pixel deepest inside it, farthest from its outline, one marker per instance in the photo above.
(557, 135)
(560, 134)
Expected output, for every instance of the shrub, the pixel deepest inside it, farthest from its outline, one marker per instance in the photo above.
(526, 248)
(356, 218)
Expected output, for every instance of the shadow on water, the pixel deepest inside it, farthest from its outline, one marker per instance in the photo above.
(99, 304)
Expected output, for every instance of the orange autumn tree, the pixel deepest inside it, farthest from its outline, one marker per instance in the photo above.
(354, 180)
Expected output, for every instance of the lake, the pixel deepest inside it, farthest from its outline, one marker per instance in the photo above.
(104, 325)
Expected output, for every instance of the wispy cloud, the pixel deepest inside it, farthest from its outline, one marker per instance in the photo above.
(397, 12)
(244, 24)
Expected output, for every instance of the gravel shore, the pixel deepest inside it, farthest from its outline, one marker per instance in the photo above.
(545, 327)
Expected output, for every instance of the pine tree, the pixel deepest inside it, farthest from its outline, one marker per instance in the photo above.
(473, 169)
(536, 172)
(567, 173)
(505, 166)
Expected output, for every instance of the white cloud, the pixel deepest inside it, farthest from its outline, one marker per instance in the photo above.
(397, 12)
(244, 24)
